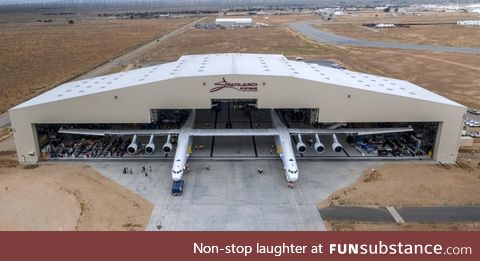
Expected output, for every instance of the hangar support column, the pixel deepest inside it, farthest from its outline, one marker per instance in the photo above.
(26, 142)
(448, 140)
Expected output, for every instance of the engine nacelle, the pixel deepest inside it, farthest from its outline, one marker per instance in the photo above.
(319, 147)
(133, 147)
(167, 147)
(336, 146)
(150, 147)
(301, 147)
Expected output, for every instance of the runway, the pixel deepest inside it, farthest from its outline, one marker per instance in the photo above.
(313, 33)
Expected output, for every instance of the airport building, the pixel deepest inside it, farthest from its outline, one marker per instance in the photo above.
(240, 92)
(469, 22)
(234, 22)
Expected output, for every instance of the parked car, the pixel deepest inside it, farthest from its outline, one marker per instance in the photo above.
(474, 111)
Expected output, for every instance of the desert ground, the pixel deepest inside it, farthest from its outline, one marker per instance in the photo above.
(415, 184)
(452, 75)
(36, 56)
(444, 32)
(378, 16)
(392, 185)
(273, 39)
(452, 34)
(65, 197)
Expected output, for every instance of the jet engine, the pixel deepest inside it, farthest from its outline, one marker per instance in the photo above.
(150, 148)
(336, 146)
(132, 148)
(167, 147)
(301, 147)
(319, 147)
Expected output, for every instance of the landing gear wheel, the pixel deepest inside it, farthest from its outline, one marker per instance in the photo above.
(290, 185)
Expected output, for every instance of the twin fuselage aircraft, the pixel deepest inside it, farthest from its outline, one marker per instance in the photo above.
(279, 131)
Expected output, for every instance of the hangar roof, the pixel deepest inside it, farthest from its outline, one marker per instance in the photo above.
(237, 64)
(234, 19)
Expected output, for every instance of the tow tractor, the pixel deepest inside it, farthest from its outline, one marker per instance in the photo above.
(177, 188)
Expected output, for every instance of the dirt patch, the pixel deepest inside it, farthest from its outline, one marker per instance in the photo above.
(8, 159)
(67, 197)
(452, 75)
(412, 184)
(56, 52)
(372, 226)
(275, 40)
(378, 16)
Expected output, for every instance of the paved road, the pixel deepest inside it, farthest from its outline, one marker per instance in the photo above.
(440, 214)
(313, 33)
(356, 213)
(409, 214)
(127, 58)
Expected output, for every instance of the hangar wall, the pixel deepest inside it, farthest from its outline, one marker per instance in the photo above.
(335, 103)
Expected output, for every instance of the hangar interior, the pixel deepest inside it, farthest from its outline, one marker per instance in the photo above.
(237, 114)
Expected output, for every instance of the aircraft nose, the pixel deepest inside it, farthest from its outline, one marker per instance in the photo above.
(176, 176)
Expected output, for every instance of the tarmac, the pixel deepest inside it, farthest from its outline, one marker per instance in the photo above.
(313, 33)
(433, 214)
(232, 196)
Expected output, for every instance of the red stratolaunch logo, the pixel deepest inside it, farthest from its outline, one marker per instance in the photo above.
(239, 86)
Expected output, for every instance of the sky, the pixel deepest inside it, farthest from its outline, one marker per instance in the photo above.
(173, 1)
(167, 1)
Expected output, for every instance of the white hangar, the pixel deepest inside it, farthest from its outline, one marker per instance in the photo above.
(310, 96)
(234, 22)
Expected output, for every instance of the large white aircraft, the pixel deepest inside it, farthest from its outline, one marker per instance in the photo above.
(279, 131)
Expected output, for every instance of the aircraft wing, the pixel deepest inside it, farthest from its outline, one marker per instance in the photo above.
(233, 132)
(106, 132)
(355, 131)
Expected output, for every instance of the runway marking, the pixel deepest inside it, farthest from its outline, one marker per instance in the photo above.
(395, 214)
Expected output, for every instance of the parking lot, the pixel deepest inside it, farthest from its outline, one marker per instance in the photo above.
(472, 123)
